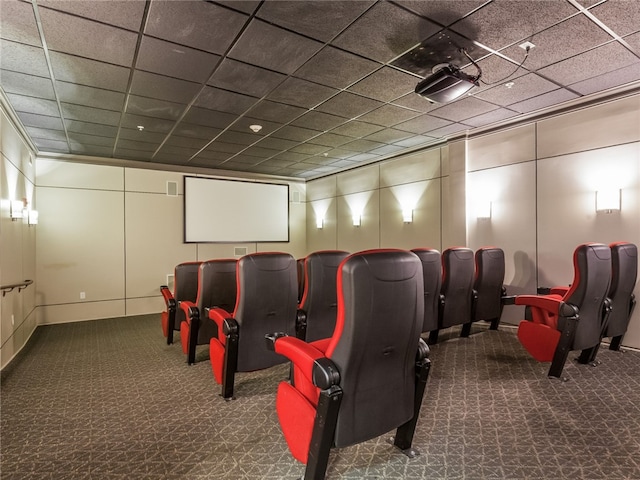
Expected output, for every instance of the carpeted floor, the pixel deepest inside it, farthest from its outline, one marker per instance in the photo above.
(109, 399)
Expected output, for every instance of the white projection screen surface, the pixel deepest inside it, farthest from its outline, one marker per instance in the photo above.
(235, 211)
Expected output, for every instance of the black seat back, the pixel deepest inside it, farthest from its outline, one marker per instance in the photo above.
(319, 300)
(216, 288)
(185, 280)
(374, 345)
(624, 271)
(458, 270)
(488, 283)
(266, 302)
(432, 279)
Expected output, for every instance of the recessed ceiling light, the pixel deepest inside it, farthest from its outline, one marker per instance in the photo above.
(526, 46)
(509, 84)
(255, 128)
(140, 127)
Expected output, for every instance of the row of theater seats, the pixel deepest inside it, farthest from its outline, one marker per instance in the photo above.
(598, 304)
(357, 380)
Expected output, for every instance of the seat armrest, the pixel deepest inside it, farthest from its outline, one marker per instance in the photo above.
(325, 373)
(301, 319)
(544, 302)
(270, 340)
(190, 310)
(303, 355)
(168, 297)
(508, 300)
(423, 350)
(218, 315)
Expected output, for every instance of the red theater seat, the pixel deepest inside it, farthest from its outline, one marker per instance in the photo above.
(624, 270)
(317, 309)
(185, 287)
(267, 300)
(216, 288)
(573, 321)
(369, 377)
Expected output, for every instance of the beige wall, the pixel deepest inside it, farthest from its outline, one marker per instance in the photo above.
(109, 236)
(17, 243)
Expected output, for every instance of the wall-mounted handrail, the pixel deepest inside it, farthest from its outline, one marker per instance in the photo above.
(20, 286)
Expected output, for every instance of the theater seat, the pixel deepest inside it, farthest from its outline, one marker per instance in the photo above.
(317, 309)
(624, 271)
(267, 300)
(369, 377)
(432, 279)
(488, 286)
(185, 287)
(216, 288)
(573, 321)
(458, 270)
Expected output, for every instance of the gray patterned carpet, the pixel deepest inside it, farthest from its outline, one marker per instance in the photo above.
(109, 399)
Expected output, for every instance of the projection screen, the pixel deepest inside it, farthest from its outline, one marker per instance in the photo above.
(235, 211)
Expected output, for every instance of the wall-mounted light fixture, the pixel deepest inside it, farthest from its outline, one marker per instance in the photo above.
(16, 207)
(319, 222)
(357, 219)
(608, 200)
(32, 217)
(483, 210)
(407, 215)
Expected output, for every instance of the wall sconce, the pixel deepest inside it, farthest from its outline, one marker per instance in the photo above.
(608, 200)
(32, 217)
(319, 222)
(356, 219)
(16, 207)
(407, 215)
(483, 210)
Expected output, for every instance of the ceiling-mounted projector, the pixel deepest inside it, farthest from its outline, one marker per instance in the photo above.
(446, 84)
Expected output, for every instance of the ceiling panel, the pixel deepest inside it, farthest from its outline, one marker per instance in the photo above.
(330, 82)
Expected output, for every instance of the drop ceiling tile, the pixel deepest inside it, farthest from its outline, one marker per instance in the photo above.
(180, 152)
(159, 56)
(301, 93)
(335, 68)
(210, 27)
(208, 118)
(44, 133)
(362, 145)
(340, 153)
(542, 101)
(237, 137)
(319, 160)
(245, 159)
(386, 84)
(496, 71)
(76, 36)
(443, 12)
(275, 112)
(35, 105)
(276, 143)
(608, 80)
(246, 6)
(277, 162)
(152, 85)
(317, 19)
(90, 96)
(528, 86)
(261, 168)
(196, 131)
(595, 62)
(150, 124)
(243, 78)
(444, 131)
(385, 32)
(390, 135)
(271, 47)
(42, 121)
(132, 154)
(622, 17)
(422, 124)
(243, 123)
(386, 150)
(211, 155)
(224, 101)
(634, 42)
(297, 134)
(566, 39)
(344, 163)
(364, 157)
(155, 108)
(29, 85)
(289, 157)
(491, 117)
(68, 68)
(235, 166)
(126, 14)
(260, 152)
(94, 150)
(186, 142)
(18, 57)
(90, 114)
(388, 115)
(488, 26)
(78, 139)
(171, 158)
(415, 102)
(348, 105)
(223, 147)
(22, 27)
(144, 136)
(310, 149)
(356, 129)
(75, 126)
(461, 109)
(415, 141)
(51, 145)
(330, 140)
